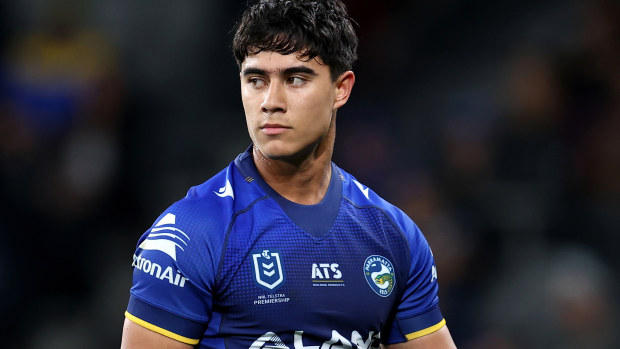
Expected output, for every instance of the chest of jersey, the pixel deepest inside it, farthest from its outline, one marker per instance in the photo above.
(281, 287)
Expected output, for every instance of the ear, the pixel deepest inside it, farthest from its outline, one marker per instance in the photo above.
(343, 85)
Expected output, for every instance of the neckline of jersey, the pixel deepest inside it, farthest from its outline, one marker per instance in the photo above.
(304, 216)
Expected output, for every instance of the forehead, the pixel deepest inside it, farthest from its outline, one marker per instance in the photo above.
(273, 61)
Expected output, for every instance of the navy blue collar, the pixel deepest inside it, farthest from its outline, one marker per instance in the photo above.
(316, 219)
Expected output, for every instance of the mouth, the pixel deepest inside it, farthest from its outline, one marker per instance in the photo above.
(273, 129)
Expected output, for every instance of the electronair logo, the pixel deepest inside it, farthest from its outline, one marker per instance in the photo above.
(165, 237)
(156, 270)
(379, 273)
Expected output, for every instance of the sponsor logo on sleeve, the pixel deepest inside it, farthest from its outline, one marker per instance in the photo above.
(165, 237)
(173, 277)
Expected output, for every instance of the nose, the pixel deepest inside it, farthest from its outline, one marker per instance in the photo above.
(274, 99)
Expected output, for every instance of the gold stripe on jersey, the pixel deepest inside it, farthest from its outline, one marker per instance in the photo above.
(161, 330)
(426, 331)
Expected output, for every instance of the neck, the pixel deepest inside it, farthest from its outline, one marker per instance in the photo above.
(305, 180)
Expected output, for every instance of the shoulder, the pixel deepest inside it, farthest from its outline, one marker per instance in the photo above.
(219, 197)
(360, 195)
(207, 210)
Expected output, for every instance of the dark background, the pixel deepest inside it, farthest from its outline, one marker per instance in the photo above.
(494, 124)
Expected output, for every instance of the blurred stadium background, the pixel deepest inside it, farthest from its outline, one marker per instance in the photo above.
(494, 124)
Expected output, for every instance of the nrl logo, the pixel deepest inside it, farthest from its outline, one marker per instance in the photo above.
(268, 270)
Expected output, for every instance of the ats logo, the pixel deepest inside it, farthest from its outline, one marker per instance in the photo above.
(326, 274)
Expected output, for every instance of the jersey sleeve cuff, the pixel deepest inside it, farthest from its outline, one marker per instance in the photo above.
(163, 322)
(423, 324)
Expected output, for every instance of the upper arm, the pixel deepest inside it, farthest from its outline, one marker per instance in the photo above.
(417, 311)
(440, 339)
(174, 273)
(138, 337)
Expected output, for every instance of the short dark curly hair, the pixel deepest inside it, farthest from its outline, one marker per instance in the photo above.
(314, 28)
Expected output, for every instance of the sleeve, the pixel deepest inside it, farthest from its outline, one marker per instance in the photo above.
(173, 277)
(418, 311)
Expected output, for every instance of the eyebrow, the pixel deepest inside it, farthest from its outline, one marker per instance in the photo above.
(287, 71)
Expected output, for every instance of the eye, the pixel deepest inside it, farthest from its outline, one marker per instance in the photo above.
(295, 81)
(256, 82)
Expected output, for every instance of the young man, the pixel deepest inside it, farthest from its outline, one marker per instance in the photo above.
(283, 249)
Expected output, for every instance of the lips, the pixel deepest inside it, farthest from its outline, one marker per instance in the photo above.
(273, 129)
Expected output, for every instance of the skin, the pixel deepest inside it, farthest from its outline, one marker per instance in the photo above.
(138, 337)
(290, 105)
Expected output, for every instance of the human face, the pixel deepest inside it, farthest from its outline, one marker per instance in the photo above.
(289, 103)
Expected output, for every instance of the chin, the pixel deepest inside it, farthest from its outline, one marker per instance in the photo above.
(274, 151)
(283, 152)
(278, 155)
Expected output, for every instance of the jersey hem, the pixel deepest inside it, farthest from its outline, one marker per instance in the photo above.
(426, 331)
(167, 321)
(165, 308)
(160, 330)
(420, 325)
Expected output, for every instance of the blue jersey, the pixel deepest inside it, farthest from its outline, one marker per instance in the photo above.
(235, 265)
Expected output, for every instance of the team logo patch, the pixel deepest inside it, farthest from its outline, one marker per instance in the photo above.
(379, 273)
(268, 269)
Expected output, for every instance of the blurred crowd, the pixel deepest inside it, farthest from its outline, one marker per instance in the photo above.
(494, 125)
